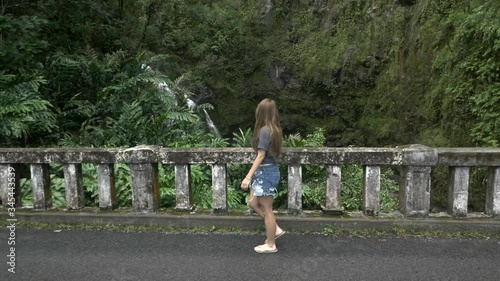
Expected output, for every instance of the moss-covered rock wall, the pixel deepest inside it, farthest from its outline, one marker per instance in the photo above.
(371, 73)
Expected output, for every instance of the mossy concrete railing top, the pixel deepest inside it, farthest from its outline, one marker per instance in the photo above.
(415, 162)
(147, 154)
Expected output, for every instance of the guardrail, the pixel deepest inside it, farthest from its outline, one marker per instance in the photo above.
(414, 161)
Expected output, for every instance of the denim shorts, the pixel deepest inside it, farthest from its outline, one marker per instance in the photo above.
(265, 180)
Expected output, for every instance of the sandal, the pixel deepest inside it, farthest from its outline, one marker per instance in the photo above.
(279, 234)
(264, 249)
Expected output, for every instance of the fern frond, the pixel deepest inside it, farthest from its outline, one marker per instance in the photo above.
(22, 110)
(182, 116)
(205, 106)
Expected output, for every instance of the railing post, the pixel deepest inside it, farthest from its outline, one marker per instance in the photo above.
(333, 187)
(417, 161)
(458, 192)
(74, 186)
(493, 192)
(9, 185)
(145, 187)
(143, 163)
(294, 189)
(371, 190)
(183, 198)
(106, 183)
(219, 186)
(40, 183)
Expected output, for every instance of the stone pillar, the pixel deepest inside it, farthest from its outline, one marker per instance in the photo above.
(183, 198)
(143, 163)
(417, 161)
(333, 187)
(106, 183)
(9, 185)
(493, 192)
(74, 186)
(145, 187)
(371, 190)
(219, 188)
(415, 191)
(294, 189)
(458, 192)
(40, 183)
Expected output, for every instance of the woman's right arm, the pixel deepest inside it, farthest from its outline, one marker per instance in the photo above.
(261, 153)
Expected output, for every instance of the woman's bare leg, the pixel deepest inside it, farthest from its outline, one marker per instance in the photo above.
(254, 204)
(266, 203)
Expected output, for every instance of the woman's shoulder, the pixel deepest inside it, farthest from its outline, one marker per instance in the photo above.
(264, 130)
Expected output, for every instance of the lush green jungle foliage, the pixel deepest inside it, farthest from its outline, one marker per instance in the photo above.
(368, 73)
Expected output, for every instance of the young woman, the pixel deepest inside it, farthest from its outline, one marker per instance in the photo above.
(264, 174)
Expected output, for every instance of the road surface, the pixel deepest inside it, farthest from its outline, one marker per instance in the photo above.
(105, 255)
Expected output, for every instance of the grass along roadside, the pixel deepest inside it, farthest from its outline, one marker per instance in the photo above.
(327, 231)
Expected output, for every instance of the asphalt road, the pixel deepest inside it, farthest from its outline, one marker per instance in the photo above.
(103, 255)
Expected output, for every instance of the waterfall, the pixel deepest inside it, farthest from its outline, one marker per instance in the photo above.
(211, 125)
(190, 103)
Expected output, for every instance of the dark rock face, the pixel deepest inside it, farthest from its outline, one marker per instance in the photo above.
(407, 2)
(282, 77)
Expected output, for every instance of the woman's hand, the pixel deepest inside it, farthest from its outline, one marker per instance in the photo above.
(245, 184)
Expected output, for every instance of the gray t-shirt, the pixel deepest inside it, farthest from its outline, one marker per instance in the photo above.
(264, 143)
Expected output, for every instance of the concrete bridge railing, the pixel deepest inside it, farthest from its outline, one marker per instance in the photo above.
(415, 163)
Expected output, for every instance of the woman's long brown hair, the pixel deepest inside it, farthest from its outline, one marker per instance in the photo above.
(267, 115)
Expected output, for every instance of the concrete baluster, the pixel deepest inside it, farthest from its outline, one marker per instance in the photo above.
(106, 183)
(458, 192)
(493, 192)
(143, 163)
(415, 191)
(9, 185)
(40, 183)
(371, 190)
(333, 187)
(183, 198)
(219, 188)
(74, 186)
(294, 189)
(145, 187)
(417, 161)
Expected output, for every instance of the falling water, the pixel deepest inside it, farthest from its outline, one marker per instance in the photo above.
(211, 124)
(190, 103)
